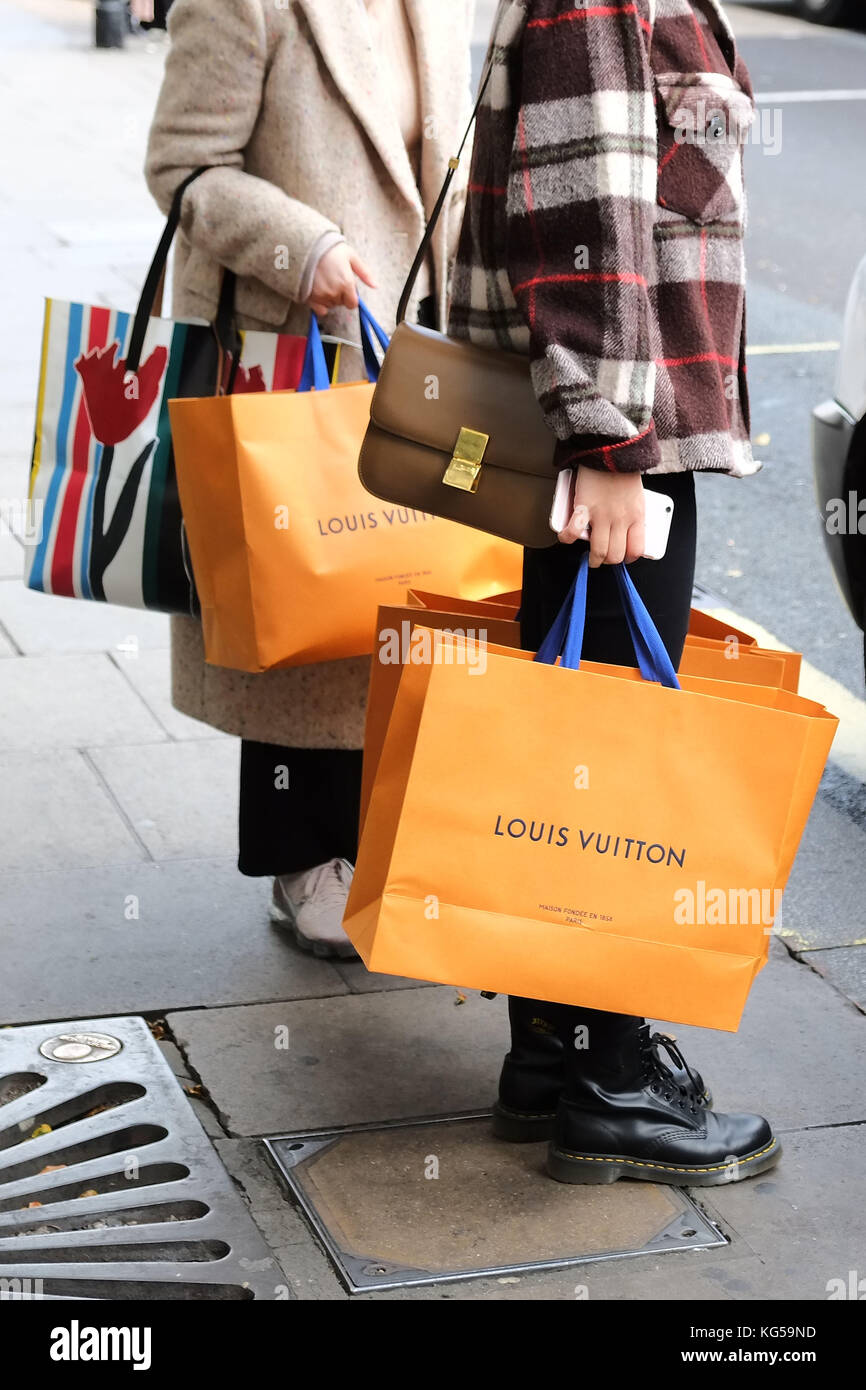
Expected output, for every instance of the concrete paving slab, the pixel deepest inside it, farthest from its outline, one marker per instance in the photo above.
(191, 1089)
(20, 380)
(72, 701)
(795, 1059)
(798, 1055)
(811, 916)
(686, 1278)
(66, 279)
(42, 623)
(805, 1218)
(96, 240)
(182, 798)
(308, 1270)
(15, 449)
(115, 251)
(363, 981)
(844, 967)
(200, 938)
(150, 674)
(20, 233)
(362, 1058)
(11, 555)
(56, 814)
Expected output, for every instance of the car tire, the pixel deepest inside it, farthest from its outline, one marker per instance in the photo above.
(826, 11)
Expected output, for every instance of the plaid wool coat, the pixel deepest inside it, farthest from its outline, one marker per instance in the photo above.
(603, 233)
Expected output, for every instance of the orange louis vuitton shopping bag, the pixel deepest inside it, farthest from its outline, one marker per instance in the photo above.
(292, 556)
(481, 623)
(505, 606)
(583, 833)
(485, 622)
(714, 648)
(748, 665)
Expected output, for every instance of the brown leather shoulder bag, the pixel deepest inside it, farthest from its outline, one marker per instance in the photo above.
(456, 429)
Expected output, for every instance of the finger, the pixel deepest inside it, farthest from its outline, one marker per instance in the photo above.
(575, 527)
(318, 307)
(349, 294)
(636, 544)
(361, 270)
(616, 544)
(598, 542)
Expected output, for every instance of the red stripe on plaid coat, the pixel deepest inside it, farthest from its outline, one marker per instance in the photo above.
(603, 233)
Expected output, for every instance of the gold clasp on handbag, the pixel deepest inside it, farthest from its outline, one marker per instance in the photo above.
(464, 470)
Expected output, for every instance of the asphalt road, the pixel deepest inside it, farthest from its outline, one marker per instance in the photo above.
(760, 545)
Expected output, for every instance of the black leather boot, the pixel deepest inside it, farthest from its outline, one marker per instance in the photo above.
(623, 1114)
(533, 1073)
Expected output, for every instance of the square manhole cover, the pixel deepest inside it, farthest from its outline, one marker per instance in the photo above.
(434, 1200)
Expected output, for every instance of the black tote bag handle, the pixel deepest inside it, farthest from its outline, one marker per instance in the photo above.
(224, 325)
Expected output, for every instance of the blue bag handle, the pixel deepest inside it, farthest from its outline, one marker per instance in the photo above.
(314, 375)
(642, 626)
(370, 329)
(565, 637)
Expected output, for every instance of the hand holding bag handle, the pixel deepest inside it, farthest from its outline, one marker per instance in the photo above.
(565, 637)
(315, 371)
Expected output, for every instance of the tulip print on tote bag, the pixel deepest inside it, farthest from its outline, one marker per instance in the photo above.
(104, 516)
(102, 483)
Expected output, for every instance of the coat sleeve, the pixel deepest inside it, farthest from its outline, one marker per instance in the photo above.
(580, 212)
(207, 109)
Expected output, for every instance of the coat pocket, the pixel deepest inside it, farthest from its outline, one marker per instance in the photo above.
(703, 121)
(256, 305)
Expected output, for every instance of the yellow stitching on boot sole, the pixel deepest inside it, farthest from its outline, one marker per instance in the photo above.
(663, 1167)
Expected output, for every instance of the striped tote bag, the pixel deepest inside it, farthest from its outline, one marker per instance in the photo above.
(104, 517)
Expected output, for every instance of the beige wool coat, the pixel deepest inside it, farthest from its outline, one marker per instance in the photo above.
(287, 98)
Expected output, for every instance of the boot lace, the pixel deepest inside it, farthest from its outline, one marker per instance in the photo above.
(659, 1077)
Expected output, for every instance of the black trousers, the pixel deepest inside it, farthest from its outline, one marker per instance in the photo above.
(664, 585)
(298, 807)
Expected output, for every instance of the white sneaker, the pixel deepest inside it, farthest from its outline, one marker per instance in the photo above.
(312, 904)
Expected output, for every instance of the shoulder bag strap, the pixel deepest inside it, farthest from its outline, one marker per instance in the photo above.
(453, 165)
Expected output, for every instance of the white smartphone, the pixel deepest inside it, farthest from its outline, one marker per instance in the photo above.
(659, 511)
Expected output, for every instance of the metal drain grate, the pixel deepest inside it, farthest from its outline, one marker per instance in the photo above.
(109, 1187)
(437, 1200)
